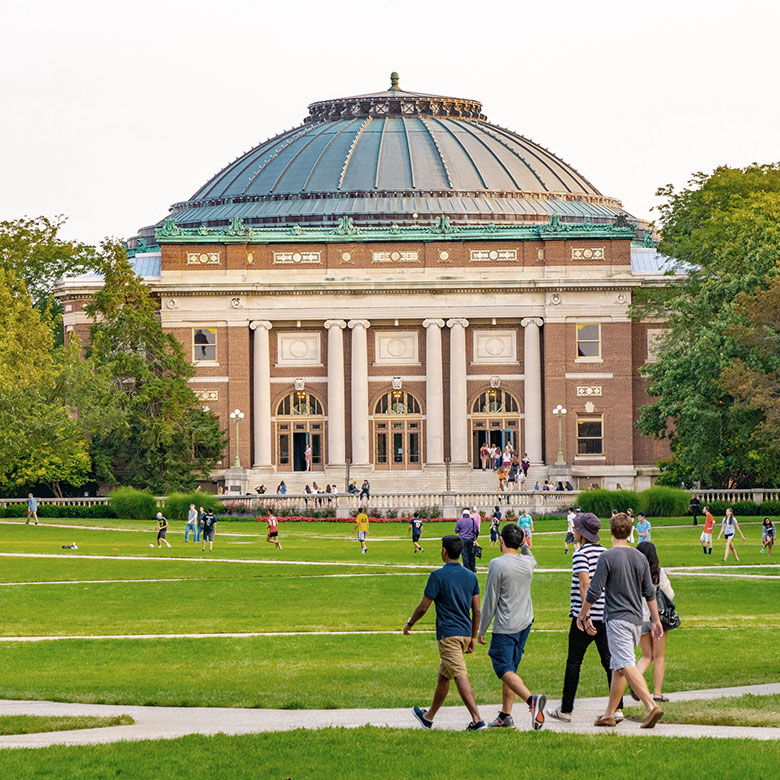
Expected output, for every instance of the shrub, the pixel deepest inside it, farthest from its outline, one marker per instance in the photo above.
(128, 502)
(601, 502)
(770, 508)
(746, 508)
(177, 505)
(662, 501)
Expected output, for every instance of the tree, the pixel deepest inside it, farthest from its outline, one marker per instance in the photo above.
(724, 230)
(150, 429)
(41, 442)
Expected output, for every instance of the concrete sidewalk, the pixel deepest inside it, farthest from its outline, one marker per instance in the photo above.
(172, 722)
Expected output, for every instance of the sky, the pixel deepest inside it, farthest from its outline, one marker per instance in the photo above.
(112, 111)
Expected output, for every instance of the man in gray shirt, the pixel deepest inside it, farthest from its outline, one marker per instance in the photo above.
(468, 530)
(508, 600)
(623, 574)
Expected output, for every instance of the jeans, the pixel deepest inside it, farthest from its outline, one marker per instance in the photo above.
(187, 528)
(198, 531)
(469, 561)
(579, 641)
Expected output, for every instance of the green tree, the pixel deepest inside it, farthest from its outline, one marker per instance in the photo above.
(152, 432)
(725, 230)
(41, 441)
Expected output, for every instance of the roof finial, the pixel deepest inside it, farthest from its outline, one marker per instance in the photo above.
(393, 80)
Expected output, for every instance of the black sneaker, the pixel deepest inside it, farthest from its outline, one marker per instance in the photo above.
(420, 715)
(536, 706)
(481, 726)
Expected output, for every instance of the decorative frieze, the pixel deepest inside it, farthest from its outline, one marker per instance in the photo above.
(296, 258)
(497, 255)
(207, 395)
(395, 348)
(298, 349)
(495, 346)
(587, 253)
(202, 258)
(588, 390)
(395, 257)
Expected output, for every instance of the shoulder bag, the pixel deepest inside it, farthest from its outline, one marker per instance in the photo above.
(667, 612)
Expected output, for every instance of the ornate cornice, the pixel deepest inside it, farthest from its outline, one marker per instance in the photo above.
(348, 232)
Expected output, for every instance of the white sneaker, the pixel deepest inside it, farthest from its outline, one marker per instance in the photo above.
(618, 716)
(558, 715)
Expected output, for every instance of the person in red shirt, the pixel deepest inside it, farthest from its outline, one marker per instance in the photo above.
(706, 534)
(273, 532)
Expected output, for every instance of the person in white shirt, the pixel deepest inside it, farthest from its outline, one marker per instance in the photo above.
(570, 532)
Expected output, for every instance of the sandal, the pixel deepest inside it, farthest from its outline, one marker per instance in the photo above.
(659, 697)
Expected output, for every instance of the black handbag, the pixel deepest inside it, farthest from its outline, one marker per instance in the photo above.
(666, 611)
(476, 549)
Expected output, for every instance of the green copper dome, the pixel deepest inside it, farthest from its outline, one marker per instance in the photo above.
(396, 157)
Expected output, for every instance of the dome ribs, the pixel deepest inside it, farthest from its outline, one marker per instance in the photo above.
(438, 150)
(325, 149)
(379, 153)
(465, 126)
(409, 147)
(296, 156)
(457, 140)
(352, 149)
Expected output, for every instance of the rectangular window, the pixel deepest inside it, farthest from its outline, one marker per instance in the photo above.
(204, 345)
(653, 341)
(589, 341)
(590, 435)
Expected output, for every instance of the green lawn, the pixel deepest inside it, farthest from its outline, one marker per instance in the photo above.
(366, 753)
(37, 724)
(748, 710)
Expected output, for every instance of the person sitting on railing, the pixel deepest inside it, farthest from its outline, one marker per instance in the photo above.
(352, 487)
(365, 490)
(307, 492)
(260, 490)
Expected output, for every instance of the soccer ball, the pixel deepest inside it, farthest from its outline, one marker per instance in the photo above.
(150, 544)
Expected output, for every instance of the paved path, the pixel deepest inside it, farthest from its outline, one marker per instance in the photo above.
(171, 722)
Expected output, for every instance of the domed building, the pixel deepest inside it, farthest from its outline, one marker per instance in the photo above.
(396, 282)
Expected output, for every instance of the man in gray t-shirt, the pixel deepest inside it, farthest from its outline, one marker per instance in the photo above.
(623, 574)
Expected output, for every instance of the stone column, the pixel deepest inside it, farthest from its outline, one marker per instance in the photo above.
(434, 393)
(533, 388)
(261, 395)
(359, 392)
(459, 443)
(336, 440)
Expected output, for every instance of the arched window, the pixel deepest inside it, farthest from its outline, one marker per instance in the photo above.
(495, 401)
(299, 404)
(397, 402)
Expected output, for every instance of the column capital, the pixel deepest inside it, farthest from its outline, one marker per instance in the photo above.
(335, 324)
(359, 324)
(433, 322)
(255, 324)
(464, 323)
(525, 322)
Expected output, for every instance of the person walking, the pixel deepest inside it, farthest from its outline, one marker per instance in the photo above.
(455, 591)
(484, 454)
(192, 522)
(199, 530)
(272, 537)
(526, 522)
(623, 576)
(570, 538)
(630, 513)
(643, 528)
(693, 508)
(307, 457)
(209, 526)
(415, 529)
(495, 527)
(525, 464)
(654, 650)
(728, 527)
(361, 524)
(162, 529)
(467, 530)
(32, 509)
(508, 600)
(583, 567)
(768, 533)
(706, 534)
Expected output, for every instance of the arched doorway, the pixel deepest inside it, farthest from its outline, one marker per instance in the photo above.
(398, 431)
(300, 423)
(495, 419)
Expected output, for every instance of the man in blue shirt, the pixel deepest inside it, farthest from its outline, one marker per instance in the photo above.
(468, 531)
(455, 591)
(643, 527)
(32, 508)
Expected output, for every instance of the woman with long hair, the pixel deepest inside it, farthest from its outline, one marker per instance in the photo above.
(768, 533)
(728, 527)
(653, 650)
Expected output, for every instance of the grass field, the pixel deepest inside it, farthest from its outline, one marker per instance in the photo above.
(748, 710)
(366, 753)
(36, 724)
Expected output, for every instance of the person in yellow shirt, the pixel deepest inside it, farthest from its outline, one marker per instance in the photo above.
(361, 522)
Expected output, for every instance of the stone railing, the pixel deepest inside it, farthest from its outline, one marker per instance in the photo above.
(758, 495)
(84, 501)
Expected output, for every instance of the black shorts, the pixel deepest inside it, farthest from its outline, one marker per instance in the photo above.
(208, 535)
(161, 534)
(415, 537)
(569, 538)
(273, 534)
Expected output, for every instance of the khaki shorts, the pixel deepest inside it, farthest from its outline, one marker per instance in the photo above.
(451, 651)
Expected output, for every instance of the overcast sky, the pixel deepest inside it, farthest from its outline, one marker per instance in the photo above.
(113, 111)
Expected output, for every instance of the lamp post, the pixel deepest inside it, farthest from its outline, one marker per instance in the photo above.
(237, 416)
(559, 412)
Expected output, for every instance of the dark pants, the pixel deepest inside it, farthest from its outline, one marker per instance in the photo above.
(695, 514)
(579, 641)
(469, 561)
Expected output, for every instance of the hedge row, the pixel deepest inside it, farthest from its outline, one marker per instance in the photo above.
(51, 510)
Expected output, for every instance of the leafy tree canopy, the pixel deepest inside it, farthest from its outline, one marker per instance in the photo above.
(725, 228)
